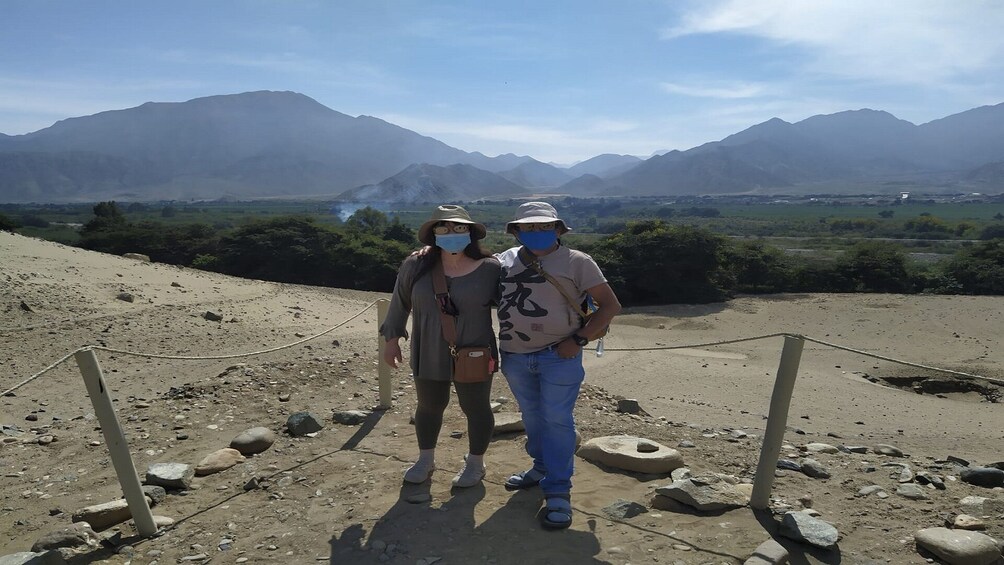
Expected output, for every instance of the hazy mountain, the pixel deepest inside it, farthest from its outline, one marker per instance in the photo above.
(433, 184)
(284, 143)
(534, 174)
(251, 144)
(852, 149)
(604, 165)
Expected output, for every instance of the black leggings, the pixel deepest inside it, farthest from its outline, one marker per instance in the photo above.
(475, 401)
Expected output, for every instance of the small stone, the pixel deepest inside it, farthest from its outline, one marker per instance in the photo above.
(890, 450)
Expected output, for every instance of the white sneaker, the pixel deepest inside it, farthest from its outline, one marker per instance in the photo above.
(469, 476)
(419, 473)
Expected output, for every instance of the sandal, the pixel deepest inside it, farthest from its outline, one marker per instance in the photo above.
(524, 480)
(558, 512)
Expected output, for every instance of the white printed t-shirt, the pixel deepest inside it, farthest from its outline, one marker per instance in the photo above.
(533, 315)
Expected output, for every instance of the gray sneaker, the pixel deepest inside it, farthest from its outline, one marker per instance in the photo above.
(469, 476)
(419, 473)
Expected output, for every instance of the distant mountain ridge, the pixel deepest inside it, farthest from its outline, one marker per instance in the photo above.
(267, 144)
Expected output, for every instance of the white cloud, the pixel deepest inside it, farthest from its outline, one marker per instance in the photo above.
(900, 41)
(716, 90)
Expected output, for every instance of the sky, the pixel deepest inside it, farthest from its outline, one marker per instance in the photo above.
(560, 81)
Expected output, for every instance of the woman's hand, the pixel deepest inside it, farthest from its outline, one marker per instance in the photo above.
(392, 352)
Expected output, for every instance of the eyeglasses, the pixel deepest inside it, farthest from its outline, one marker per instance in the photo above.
(443, 229)
(549, 226)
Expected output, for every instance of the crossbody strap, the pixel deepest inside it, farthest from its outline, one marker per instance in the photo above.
(447, 321)
(532, 261)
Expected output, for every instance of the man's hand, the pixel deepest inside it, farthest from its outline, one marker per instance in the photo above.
(421, 252)
(392, 352)
(567, 348)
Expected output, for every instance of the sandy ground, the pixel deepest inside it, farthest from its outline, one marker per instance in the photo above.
(338, 497)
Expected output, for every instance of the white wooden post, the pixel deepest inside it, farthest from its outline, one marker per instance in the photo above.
(777, 420)
(383, 369)
(118, 449)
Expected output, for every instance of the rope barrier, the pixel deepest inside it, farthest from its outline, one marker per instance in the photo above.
(160, 356)
(371, 304)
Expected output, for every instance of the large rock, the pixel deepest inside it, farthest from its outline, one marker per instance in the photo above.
(137, 256)
(706, 494)
(79, 534)
(508, 422)
(176, 476)
(219, 460)
(989, 477)
(802, 527)
(768, 553)
(303, 423)
(101, 516)
(631, 454)
(958, 547)
(254, 440)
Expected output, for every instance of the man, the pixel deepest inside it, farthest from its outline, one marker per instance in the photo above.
(541, 336)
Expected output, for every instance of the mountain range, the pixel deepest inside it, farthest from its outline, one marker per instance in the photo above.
(285, 144)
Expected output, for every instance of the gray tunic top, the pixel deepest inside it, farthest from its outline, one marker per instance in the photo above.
(474, 294)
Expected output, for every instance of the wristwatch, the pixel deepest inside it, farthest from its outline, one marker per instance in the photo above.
(579, 340)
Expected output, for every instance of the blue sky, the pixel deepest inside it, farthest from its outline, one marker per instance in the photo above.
(560, 81)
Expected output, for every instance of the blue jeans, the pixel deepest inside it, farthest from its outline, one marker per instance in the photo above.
(546, 388)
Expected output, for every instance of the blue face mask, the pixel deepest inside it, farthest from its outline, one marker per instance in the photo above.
(538, 240)
(453, 242)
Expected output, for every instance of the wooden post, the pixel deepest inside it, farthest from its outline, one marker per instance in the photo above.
(383, 369)
(118, 449)
(777, 420)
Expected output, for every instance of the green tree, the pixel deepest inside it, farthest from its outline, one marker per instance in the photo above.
(7, 224)
(873, 266)
(886, 214)
(979, 269)
(993, 231)
(367, 220)
(652, 262)
(758, 268)
(107, 215)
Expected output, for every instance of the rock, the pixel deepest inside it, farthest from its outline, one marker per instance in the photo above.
(821, 448)
(958, 547)
(926, 478)
(911, 491)
(631, 453)
(137, 256)
(162, 521)
(814, 469)
(768, 553)
(177, 476)
(804, 528)
(788, 464)
(628, 406)
(212, 316)
(254, 440)
(350, 417)
(967, 522)
(217, 461)
(508, 422)
(624, 509)
(79, 534)
(857, 448)
(973, 505)
(303, 423)
(24, 306)
(125, 297)
(988, 477)
(155, 494)
(33, 558)
(871, 489)
(706, 494)
(101, 516)
(680, 474)
(890, 450)
(686, 443)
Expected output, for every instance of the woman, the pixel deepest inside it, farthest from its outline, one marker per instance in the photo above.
(472, 282)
